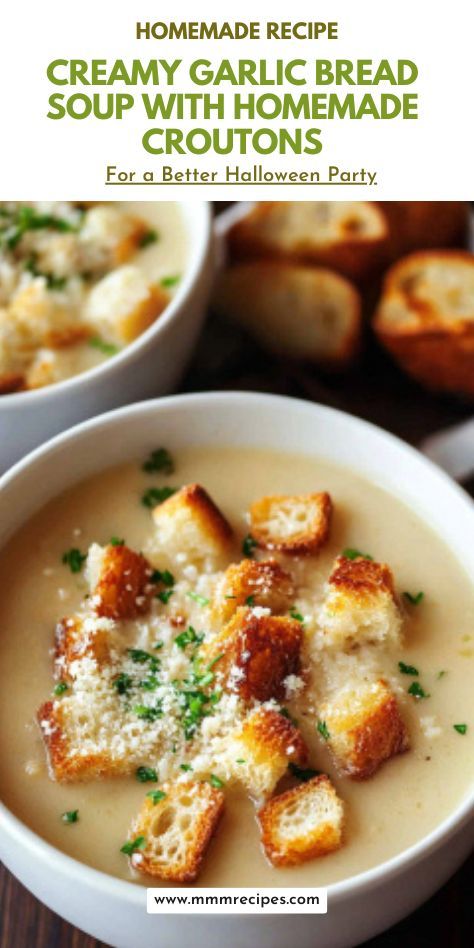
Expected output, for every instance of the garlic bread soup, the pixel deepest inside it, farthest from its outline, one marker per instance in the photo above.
(79, 282)
(246, 667)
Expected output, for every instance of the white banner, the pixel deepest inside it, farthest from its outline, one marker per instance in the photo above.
(276, 901)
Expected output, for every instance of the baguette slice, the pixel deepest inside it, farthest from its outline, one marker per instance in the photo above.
(425, 318)
(360, 605)
(177, 830)
(296, 311)
(302, 823)
(350, 237)
(297, 524)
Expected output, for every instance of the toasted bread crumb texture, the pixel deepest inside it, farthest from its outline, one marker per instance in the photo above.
(199, 676)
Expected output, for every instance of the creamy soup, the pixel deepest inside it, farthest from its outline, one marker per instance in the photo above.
(403, 801)
(80, 282)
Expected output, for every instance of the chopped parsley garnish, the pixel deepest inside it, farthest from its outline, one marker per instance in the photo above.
(201, 600)
(159, 461)
(28, 218)
(149, 684)
(74, 559)
(162, 576)
(416, 691)
(248, 545)
(407, 669)
(141, 657)
(215, 660)
(196, 705)
(441, 674)
(157, 645)
(132, 845)
(60, 688)
(286, 714)
(149, 237)
(156, 796)
(123, 683)
(216, 782)
(240, 760)
(185, 767)
(322, 729)
(188, 637)
(250, 601)
(53, 282)
(302, 773)
(107, 348)
(156, 495)
(460, 728)
(296, 615)
(148, 712)
(169, 281)
(70, 816)
(414, 599)
(116, 541)
(351, 553)
(146, 775)
(165, 595)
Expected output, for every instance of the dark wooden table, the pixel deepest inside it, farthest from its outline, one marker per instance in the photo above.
(374, 389)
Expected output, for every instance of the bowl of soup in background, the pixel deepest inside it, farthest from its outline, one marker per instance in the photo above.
(150, 365)
(367, 901)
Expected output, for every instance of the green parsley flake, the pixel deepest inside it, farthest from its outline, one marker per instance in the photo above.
(296, 615)
(441, 674)
(162, 576)
(302, 773)
(148, 238)
(132, 845)
(146, 775)
(159, 461)
(407, 669)
(201, 600)
(149, 712)
(416, 691)
(249, 545)
(157, 495)
(322, 729)
(250, 601)
(141, 657)
(74, 559)
(460, 728)
(185, 767)
(107, 348)
(240, 760)
(188, 637)
(169, 281)
(165, 595)
(60, 688)
(414, 600)
(70, 816)
(156, 796)
(351, 553)
(122, 683)
(216, 782)
(116, 541)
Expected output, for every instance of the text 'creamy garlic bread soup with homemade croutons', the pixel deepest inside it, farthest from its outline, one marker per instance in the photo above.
(79, 282)
(246, 667)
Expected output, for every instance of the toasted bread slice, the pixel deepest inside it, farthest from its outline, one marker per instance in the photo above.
(296, 311)
(350, 237)
(363, 727)
(123, 304)
(425, 318)
(62, 728)
(256, 653)
(77, 637)
(189, 522)
(302, 823)
(291, 524)
(119, 580)
(260, 751)
(177, 830)
(420, 225)
(360, 606)
(261, 583)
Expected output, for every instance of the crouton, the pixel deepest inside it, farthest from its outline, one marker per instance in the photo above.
(261, 583)
(350, 237)
(291, 524)
(302, 823)
(256, 654)
(360, 606)
(62, 728)
(123, 304)
(419, 225)
(296, 311)
(425, 318)
(119, 580)
(363, 727)
(189, 522)
(259, 752)
(109, 237)
(77, 637)
(177, 830)
(11, 382)
(39, 318)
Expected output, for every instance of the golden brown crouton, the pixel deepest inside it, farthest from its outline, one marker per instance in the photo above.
(360, 606)
(189, 522)
(257, 653)
(177, 830)
(350, 237)
(11, 382)
(123, 304)
(302, 823)
(299, 312)
(425, 318)
(120, 581)
(257, 583)
(291, 524)
(76, 638)
(260, 751)
(109, 237)
(419, 225)
(363, 727)
(67, 760)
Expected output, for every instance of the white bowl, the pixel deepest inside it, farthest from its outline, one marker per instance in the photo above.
(359, 907)
(149, 366)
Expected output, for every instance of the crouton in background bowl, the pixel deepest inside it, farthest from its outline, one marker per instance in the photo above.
(360, 906)
(139, 320)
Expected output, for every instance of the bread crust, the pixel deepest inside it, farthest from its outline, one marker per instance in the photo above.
(417, 225)
(322, 837)
(192, 504)
(66, 765)
(72, 642)
(264, 581)
(124, 588)
(301, 541)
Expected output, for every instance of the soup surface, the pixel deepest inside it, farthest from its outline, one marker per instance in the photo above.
(384, 814)
(80, 282)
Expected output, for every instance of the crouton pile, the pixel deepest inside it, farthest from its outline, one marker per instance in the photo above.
(191, 668)
(302, 277)
(70, 290)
